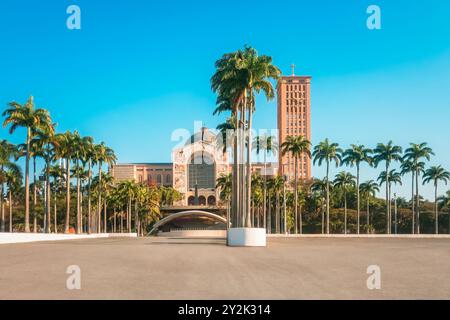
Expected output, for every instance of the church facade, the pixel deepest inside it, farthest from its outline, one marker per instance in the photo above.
(194, 170)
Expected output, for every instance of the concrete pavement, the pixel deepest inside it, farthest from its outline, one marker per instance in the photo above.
(176, 268)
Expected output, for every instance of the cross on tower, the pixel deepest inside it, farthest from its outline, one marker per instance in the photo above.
(293, 69)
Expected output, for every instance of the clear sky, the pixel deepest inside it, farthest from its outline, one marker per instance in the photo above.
(137, 70)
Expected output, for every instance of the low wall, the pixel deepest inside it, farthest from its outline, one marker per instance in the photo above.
(398, 236)
(36, 237)
(194, 234)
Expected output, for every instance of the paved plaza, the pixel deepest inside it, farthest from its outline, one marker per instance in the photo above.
(162, 268)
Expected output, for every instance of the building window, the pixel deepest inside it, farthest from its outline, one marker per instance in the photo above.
(202, 172)
(168, 179)
(211, 201)
(159, 179)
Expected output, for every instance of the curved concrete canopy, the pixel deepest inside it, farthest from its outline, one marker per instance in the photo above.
(184, 214)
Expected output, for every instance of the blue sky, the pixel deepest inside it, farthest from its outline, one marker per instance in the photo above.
(137, 70)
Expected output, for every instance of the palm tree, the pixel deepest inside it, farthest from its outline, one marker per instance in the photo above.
(319, 187)
(13, 176)
(66, 150)
(369, 190)
(128, 189)
(239, 77)
(354, 156)
(344, 180)
(393, 177)
(297, 146)
(7, 152)
(387, 153)
(224, 183)
(409, 166)
(56, 172)
(328, 152)
(90, 160)
(444, 201)
(28, 117)
(269, 145)
(436, 174)
(277, 187)
(46, 143)
(415, 153)
(104, 154)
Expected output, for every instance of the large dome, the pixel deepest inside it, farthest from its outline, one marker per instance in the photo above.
(204, 135)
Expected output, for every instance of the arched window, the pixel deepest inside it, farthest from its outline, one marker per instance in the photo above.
(211, 201)
(202, 200)
(168, 179)
(159, 179)
(191, 201)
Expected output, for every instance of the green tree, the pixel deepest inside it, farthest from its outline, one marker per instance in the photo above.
(319, 188)
(239, 77)
(387, 153)
(369, 189)
(344, 180)
(46, 142)
(13, 175)
(7, 152)
(327, 152)
(408, 166)
(297, 146)
(436, 174)
(31, 119)
(354, 156)
(268, 145)
(415, 153)
(392, 177)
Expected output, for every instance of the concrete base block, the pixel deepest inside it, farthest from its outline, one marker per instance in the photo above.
(247, 237)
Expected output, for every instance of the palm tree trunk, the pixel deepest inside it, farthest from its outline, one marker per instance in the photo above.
(436, 208)
(412, 203)
(296, 195)
(27, 183)
(368, 215)
(34, 196)
(89, 229)
(417, 203)
(10, 211)
(390, 213)
(242, 183)
(79, 226)
(104, 217)
(67, 222)
(249, 223)
(358, 212)
(323, 218)
(99, 209)
(2, 228)
(345, 213)
(55, 222)
(265, 189)
(49, 194)
(269, 216)
(115, 221)
(388, 201)
(328, 197)
(277, 212)
(235, 181)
